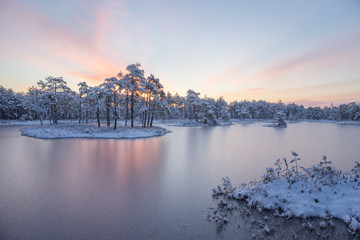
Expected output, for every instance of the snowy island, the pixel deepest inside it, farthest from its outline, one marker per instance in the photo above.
(293, 191)
(90, 131)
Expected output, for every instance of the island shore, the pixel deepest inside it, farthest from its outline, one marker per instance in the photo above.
(90, 131)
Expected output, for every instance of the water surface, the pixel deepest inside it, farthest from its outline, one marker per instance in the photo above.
(157, 188)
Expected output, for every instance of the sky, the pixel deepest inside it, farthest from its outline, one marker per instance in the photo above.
(307, 52)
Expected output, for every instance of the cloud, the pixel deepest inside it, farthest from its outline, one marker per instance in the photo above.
(321, 58)
(254, 89)
(74, 46)
(338, 52)
(324, 94)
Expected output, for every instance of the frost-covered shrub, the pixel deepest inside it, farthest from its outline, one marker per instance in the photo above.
(295, 160)
(356, 168)
(269, 175)
(225, 189)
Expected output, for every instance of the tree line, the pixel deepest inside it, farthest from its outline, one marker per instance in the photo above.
(133, 97)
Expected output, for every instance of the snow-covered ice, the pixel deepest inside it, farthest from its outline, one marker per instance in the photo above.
(90, 131)
(319, 191)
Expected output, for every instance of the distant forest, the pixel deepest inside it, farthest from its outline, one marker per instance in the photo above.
(133, 97)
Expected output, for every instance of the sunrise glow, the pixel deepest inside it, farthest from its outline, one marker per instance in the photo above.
(304, 52)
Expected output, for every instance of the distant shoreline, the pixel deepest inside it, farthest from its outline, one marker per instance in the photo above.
(177, 122)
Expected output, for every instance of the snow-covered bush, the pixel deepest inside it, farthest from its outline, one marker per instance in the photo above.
(291, 190)
(225, 189)
(279, 119)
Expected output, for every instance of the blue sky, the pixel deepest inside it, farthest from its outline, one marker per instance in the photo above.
(306, 52)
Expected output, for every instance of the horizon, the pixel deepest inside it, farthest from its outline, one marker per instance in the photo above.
(305, 53)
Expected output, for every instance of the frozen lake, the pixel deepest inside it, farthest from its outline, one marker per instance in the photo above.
(158, 188)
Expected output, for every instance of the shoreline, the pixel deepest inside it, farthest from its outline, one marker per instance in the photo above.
(179, 122)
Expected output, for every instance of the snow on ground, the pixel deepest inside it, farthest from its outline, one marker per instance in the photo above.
(349, 122)
(293, 191)
(274, 125)
(19, 122)
(36, 122)
(90, 131)
(331, 121)
(187, 123)
(243, 121)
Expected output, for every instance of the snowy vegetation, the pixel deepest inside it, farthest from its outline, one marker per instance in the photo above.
(131, 96)
(290, 190)
(279, 120)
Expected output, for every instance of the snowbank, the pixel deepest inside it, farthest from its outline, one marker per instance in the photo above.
(90, 131)
(294, 191)
(244, 121)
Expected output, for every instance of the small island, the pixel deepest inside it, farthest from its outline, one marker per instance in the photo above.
(90, 131)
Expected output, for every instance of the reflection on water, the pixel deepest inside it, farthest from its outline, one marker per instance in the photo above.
(146, 188)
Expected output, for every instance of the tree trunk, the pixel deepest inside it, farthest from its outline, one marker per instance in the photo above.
(55, 109)
(132, 108)
(148, 118)
(115, 112)
(115, 120)
(149, 110)
(127, 108)
(149, 113)
(80, 112)
(54, 112)
(108, 111)
(144, 119)
(98, 115)
(151, 122)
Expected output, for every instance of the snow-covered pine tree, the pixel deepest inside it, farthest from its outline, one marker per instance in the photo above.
(96, 96)
(135, 80)
(55, 90)
(208, 111)
(222, 110)
(110, 88)
(279, 119)
(192, 103)
(154, 91)
(83, 88)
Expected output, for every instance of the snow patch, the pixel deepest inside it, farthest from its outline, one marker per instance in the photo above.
(185, 123)
(90, 131)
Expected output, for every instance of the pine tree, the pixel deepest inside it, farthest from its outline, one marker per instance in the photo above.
(55, 89)
(135, 80)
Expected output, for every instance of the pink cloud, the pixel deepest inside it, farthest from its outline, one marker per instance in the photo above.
(254, 89)
(335, 99)
(73, 49)
(332, 55)
(322, 58)
(311, 95)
